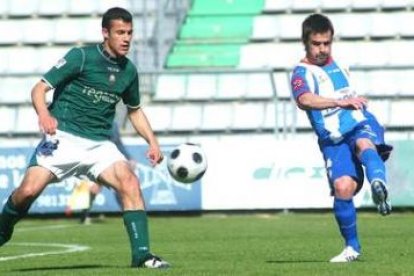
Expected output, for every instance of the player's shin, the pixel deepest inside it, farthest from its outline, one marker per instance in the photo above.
(136, 224)
(9, 217)
(374, 166)
(345, 215)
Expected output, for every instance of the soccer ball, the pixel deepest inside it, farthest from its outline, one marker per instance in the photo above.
(187, 163)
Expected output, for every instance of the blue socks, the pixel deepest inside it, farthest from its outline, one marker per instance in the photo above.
(345, 215)
(374, 166)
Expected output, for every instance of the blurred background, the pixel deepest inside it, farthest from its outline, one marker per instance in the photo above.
(216, 72)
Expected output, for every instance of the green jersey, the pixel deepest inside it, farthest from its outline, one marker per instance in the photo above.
(88, 84)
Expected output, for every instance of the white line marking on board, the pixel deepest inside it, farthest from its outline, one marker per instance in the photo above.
(67, 248)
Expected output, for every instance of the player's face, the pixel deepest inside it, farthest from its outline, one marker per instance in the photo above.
(117, 39)
(318, 48)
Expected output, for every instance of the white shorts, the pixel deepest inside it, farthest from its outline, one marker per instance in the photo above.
(71, 155)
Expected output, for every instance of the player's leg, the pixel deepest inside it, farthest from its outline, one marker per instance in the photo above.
(94, 190)
(342, 173)
(375, 171)
(120, 176)
(18, 203)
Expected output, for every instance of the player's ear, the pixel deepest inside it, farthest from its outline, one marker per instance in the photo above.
(105, 33)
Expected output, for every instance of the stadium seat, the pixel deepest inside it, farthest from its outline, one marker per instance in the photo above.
(248, 116)
(231, 86)
(27, 120)
(16, 90)
(381, 27)
(366, 5)
(259, 86)
(351, 26)
(382, 110)
(104, 5)
(52, 8)
(290, 27)
(217, 117)
(170, 87)
(336, 5)
(22, 60)
(37, 31)
(92, 30)
(8, 117)
(79, 8)
(201, 87)
(265, 27)
(305, 6)
(68, 31)
(186, 117)
(11, 31)
(49, 56)
(396, 4)
(276, 6)
(282, 83)
(22, 8)
(405, 21)
(225, 7)
(3, 8)
(400, 113)
(160, 117)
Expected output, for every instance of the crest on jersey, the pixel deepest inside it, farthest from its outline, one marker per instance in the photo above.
(60, 63)
(112, 79)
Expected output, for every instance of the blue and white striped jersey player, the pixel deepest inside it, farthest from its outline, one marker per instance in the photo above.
(349, 137)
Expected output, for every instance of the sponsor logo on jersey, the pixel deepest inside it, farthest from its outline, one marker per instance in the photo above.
(60, 63)
(298, 84)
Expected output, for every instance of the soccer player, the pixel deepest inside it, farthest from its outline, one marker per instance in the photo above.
(349, 137)
(89, 82)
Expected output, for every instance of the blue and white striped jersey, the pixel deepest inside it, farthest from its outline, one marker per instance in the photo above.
(330, 81)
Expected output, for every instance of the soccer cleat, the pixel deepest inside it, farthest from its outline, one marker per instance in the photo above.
(155, 262)
(347, 255)
(380, 197)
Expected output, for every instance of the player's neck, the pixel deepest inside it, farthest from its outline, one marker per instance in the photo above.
(309, 61)
(106, 50)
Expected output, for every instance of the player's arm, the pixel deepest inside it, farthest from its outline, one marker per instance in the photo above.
(141, 124)
(307, 101)
(47, 123)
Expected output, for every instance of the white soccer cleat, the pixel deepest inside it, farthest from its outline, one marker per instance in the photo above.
(380, 197)
(155, 262)
(347, 255)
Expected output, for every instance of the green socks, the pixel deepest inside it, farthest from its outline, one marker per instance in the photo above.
(9, 217)
(136, 224)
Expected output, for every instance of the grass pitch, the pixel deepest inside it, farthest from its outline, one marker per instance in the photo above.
(273, 244)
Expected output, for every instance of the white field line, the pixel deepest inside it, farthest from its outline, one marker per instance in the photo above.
(59, 248)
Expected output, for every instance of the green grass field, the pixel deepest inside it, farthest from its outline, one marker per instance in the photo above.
(272, 244)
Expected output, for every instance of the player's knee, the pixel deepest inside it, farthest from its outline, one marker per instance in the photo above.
(345, 187)
(25, 194)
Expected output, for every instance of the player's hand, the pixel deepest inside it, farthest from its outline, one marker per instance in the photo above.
(353, 103)
(155, 155)
(47, 123)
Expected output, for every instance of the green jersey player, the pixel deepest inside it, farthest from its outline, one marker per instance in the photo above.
(89, 82)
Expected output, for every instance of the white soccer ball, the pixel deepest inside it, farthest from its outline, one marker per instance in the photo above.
(187, 163)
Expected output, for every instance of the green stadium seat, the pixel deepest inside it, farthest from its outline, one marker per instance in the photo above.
(226, 7)
(220, 55)
(217, 28)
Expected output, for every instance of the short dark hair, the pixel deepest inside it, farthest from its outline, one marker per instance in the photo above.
(114, 14)
(316, 23)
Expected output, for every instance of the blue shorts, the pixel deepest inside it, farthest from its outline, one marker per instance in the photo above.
(341, 160)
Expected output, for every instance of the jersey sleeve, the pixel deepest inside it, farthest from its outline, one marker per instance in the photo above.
(66, 68)
(131, 97)
(300, 82)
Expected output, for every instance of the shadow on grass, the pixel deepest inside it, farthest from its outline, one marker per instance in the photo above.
(295, 261)
(74, 267)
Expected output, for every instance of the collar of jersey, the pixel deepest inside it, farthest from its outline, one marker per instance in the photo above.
(107, 56)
